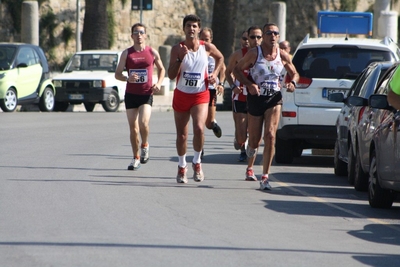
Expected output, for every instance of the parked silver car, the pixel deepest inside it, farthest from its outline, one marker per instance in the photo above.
(379, 145)
(346, 160)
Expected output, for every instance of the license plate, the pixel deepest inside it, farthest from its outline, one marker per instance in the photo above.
(328, 91)
(76, 97)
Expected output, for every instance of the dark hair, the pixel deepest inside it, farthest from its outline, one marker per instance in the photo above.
(192, 17)
(137, 25)
(207, 30)
(268, 24)
(254, 27)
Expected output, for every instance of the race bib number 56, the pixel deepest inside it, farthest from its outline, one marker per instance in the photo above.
(142, 75)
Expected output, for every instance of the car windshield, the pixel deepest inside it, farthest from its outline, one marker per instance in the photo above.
(7, 54)
(92, 62)
(336, 62)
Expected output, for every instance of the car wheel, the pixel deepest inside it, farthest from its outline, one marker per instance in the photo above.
(340, 167)
(112, 102)
(283, 151)
(10, 101)
(360, 177)
(377, 196)
(89, 106)
(350, 164)
(46, 102)
(60, 106)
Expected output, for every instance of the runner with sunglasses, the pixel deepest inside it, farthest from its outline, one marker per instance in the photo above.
(239, 105)
(264, 100)
(139, 61)
(244, 40)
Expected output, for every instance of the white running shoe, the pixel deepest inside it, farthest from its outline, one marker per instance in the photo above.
(135, 164)
(144, 155)
(198, 175)
(250, 176)
(251, 152)
(181, 177)
(264, 184)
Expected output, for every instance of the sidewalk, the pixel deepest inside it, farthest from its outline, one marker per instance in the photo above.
(160, 103)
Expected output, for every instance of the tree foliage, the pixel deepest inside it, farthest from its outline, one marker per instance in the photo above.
(224, 26)
(15, 7)
(348, 5)
(95, 25)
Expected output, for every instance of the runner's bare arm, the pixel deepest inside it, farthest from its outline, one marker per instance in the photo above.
(233, 59)
(245, 63)
(219, 59)
(160, 68)
(291, 71)
(120, 68)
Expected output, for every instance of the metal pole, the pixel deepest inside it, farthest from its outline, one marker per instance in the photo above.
(141, 10)
(78, 27)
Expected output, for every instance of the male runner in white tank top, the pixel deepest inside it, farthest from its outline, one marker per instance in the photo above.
(264, 99)
(189, 65)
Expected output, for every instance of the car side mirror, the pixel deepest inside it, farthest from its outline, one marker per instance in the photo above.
(22, 65)
(336, 97)
(380, 102)
(357, 101)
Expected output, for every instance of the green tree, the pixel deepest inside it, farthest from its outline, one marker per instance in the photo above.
(98, 24)
(95, 25)
(348, 5)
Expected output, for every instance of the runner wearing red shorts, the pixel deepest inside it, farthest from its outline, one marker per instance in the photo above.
(189, 66)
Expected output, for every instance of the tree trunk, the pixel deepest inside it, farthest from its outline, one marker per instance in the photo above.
(224, 26)
(95, 26)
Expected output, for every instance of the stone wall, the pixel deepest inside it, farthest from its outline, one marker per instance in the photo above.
(164, 22)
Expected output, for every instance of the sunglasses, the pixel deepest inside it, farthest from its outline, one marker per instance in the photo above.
(272, 32)
(255, 36)
(138, 32)
(244, 39)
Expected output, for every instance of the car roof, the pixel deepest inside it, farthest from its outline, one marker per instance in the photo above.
(363, 43)
(384, 64)
(17, 44)
(98, 52)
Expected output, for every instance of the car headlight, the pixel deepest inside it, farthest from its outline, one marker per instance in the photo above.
(97, 83)
(2, 75)
(57, 83)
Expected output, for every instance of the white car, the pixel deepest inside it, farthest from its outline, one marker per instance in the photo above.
(88, 78)
(325, 66)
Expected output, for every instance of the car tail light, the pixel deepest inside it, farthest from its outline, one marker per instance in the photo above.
(103, 84)
(289, 114)
(303, 82)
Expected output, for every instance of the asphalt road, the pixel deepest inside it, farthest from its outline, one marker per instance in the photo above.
(66, 199)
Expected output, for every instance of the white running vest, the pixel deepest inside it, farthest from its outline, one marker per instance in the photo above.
(211, 68)
(193, 77)
(266, 73)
